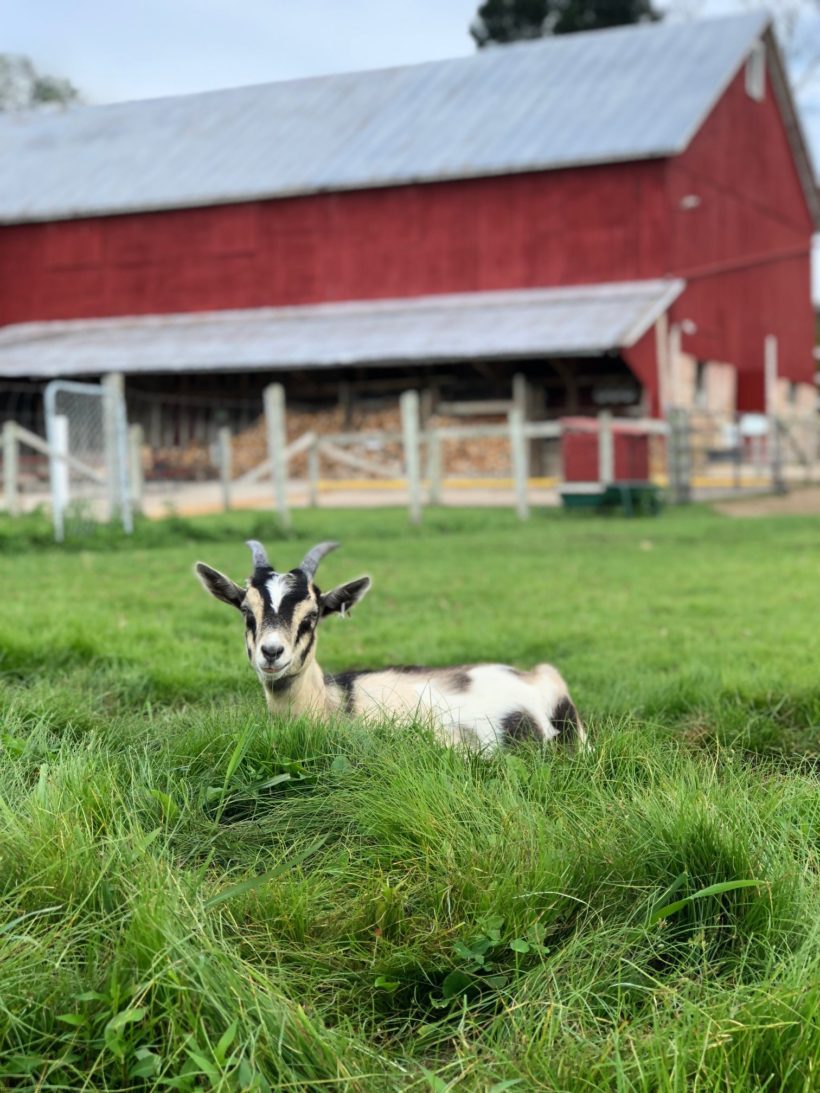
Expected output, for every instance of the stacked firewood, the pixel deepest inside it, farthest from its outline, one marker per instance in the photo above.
(197, 461)
(487, 456)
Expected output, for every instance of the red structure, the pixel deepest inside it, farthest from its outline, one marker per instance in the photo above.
(580, 451)
(730, 215)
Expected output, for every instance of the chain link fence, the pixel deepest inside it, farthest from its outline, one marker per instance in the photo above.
(86, 431)
(723, 454)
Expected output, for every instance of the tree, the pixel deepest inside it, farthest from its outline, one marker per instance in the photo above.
(499, 21)
(23, 87)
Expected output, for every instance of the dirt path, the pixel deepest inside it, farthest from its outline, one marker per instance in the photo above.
(197, 499)
(800, 501)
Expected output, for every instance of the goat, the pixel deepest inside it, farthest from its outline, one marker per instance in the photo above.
(481, 705)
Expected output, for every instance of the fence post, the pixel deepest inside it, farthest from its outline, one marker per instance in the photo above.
(313, 473)
(606, 449)
(770, 382)
(274, 400)
(115, 438)
(518, 451)
(409, 403)
(135, 442)
(113, 385)
(433, 467)
(223, 446)
(11, 467)
(60, 480)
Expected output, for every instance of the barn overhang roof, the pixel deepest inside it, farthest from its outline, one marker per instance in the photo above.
(586, 320)
(608, 96)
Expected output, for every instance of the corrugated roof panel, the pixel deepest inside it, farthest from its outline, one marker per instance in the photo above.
(578, 321)
(627, 93)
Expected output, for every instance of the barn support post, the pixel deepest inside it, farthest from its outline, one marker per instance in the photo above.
(433, 467)
(770, 371)
(606, 449)
(520, 461)
(274, 400)
(662, 357)
(155, 424)
(427, 403)
(520, 394)
(223, 445)
(313, 473)
(135, 442)
(11, 469)
(409, 403)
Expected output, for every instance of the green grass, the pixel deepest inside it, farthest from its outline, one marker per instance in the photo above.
(195, 897)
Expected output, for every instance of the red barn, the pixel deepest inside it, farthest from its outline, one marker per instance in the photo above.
(623, 215)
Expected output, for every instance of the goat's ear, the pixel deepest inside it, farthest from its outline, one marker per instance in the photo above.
(220, 586)
(344, 597)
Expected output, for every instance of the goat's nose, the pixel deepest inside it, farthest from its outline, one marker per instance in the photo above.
(271, 651)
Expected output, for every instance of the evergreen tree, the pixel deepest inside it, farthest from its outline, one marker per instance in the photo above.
(499, 21)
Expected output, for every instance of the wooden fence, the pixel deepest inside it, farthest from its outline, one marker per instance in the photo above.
(419, 471)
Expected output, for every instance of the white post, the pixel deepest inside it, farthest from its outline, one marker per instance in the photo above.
(135, 442)
(662, 355)
(313, 473)
(518, 451)
(433, 467)
(59, 477)
(770, 373)
(11, 467)
(113, 385)
(606, 449)
(223, 442)
(770, 369)
(674, 389)
(274, 399)
(409, 403)
(115, 437)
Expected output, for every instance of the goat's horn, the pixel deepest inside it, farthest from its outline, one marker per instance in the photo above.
(313, 557)
(260, 557)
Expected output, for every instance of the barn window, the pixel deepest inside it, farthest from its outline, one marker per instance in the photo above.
(756, 72)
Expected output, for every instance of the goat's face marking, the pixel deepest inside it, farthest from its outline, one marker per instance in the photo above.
(281, 612)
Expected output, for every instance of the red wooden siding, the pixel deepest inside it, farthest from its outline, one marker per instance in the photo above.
(565, 227)
(744, 250)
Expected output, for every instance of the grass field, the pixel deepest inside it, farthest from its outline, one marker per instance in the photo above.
(195, 897)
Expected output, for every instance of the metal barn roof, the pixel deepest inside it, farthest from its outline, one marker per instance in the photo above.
(621, 94)
(580, 321)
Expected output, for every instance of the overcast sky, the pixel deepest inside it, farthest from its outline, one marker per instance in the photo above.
(121, 49)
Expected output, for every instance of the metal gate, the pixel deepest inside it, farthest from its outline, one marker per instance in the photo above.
(87, 434)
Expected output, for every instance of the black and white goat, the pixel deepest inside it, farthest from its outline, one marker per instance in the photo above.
(483, 705)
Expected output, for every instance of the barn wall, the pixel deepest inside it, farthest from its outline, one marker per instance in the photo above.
(745, 249)
(563, 227)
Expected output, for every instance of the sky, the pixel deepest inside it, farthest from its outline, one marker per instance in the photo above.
(131, 49)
